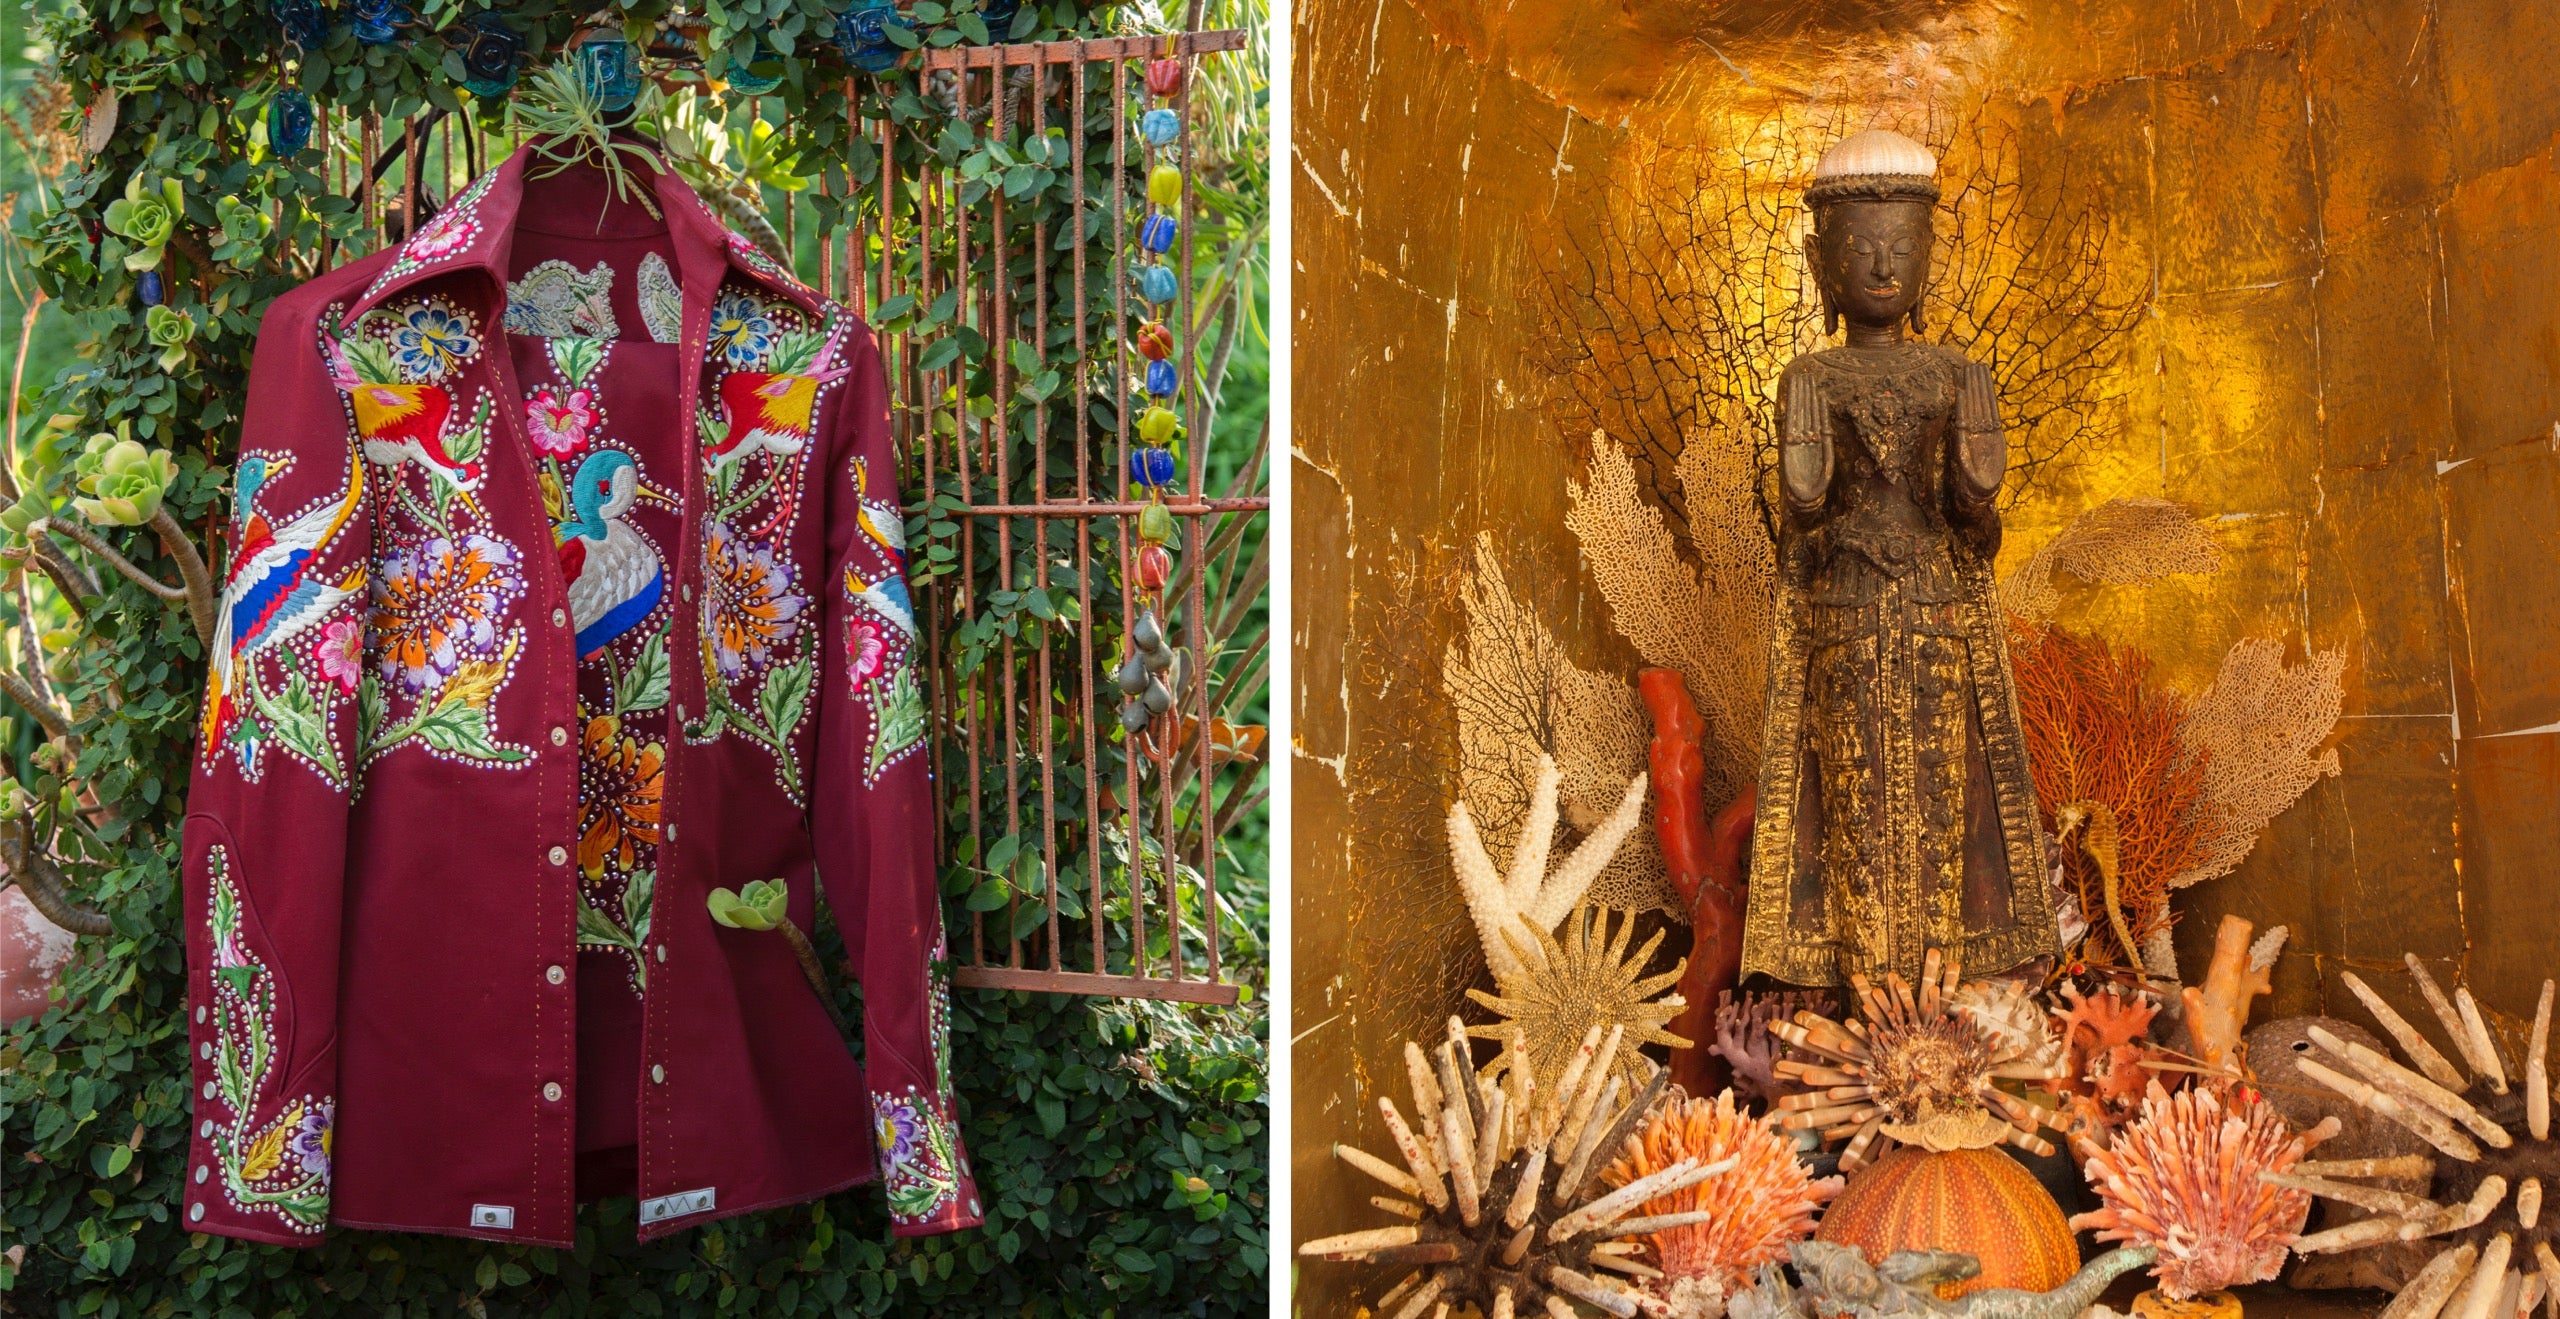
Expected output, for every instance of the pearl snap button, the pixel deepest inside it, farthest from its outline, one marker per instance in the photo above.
(559, 737)
(201, 1173)
(551, 1091)
(662, 952)
(199, 1016)
(658, 1074)
(208, 1089)
(555, 975)
(205, 1050)
(671, 833)
(688, 590)
(205, 1128)
(559, 856)
(195, 1213)
(559, 618)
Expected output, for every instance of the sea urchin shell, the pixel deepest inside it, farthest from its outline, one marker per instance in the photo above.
(2184, 1176)
(1754, 1212)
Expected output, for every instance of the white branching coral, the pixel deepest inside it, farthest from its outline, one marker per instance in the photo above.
(1498, 900)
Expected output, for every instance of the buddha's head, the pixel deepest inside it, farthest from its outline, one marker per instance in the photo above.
(1872, 196)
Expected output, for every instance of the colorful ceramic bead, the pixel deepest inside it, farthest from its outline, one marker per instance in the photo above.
(289, 123)
(1151, 467)
(1156, 284)
(604, 62)
(862, 35)
(303, 26)
(759, 75)
(1159, 126)
(998, 15)
(1161, 377)
(1155, 233)
(1155, 425)
(149, 287)
(1155, 524)
(491, 54)
(1155, 343)
(1164, 185)
(1155, 566)
(1164, 77)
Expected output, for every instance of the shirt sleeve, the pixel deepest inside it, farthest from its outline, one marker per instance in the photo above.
(872, 814)
(265, 835)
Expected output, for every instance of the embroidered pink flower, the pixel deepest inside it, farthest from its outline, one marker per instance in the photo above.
(341, 653)
(559, 425)
(864, 653)
(442, 236)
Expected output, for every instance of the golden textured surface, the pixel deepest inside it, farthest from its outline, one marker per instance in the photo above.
(2336, 221)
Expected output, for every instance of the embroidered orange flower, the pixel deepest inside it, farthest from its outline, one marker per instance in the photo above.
(440, 602)
(754, 612)
(619, 782)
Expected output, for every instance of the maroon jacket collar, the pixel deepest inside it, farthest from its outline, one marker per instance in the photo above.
(477, 229)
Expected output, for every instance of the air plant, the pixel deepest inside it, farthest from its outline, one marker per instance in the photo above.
(2491, 1132)
(2185, 1176)
(565, 121)
(1923, 1068)
(1754, 1212)
(1499, 1187)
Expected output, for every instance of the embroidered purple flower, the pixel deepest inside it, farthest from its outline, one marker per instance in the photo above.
(559, 424)
(753, 610)
(340, 652)
(919, 1155)
(865, 653)
(311, 1140)
(438, 602)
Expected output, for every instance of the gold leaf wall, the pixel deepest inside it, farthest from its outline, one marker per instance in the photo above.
(2339, 228)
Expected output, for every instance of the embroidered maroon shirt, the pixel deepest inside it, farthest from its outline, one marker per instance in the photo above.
(566, 590)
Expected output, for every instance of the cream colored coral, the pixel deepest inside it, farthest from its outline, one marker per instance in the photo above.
(2122, 542)
(1500, 900)
(2260, 730)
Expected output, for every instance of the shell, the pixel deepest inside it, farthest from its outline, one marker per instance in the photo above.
(1982, 1203)
(2185, 1176)
(1757, 1210)
(1873, 152)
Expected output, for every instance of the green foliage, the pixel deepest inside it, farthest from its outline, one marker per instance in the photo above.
(1120, 1148)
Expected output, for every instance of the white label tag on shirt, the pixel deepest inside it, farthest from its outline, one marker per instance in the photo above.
(502, 1217)
(677, 1205)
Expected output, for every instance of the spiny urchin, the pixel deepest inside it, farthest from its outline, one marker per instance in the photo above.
(2184, 1175)
(1485, 1223)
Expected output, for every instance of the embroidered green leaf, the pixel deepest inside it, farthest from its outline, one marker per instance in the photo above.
(782, 700)
(577, 358)
(466, 446)
(295, 718)
(371, 710)
(596, 928)
(458, 728)
(370, 359)
(794, 353)
(636, 894)
(644, 685)
(901, 718)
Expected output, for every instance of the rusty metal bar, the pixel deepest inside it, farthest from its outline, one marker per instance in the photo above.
(1084, 532)
(1095, 49)
(1079, 982)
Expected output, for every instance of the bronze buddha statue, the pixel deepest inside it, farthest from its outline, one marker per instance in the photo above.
(1895, 810)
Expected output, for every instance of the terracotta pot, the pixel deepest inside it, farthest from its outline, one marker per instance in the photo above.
(1980, 1202)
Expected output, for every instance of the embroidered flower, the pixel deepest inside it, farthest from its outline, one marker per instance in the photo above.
(438, 602)
(559, 425)
(752, 608)
(865, 653)
(449, 232)
(619, 782)
(311, 1141)
(432, 339)
(740, 329)
(340, 652)
(919, 1155)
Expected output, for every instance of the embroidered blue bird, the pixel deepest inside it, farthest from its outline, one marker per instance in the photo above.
(269, 594)
(888, 596)
(615, 577)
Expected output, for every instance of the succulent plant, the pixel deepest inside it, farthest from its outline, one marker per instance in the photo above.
(122, 480)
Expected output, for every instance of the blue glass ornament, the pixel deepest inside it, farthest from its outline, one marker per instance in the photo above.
(289, 123)
(302, 23)
(758, 75)
(1160, 378)
(149, 287)
(604, 61)
(1159, 126)
(378, 22)
(862, 36)
(999, 16)
(1157, 284)
(1156, 233)
(1151, 467)
(491, 54)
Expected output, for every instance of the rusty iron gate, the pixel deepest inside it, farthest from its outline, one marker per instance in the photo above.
(911, 235)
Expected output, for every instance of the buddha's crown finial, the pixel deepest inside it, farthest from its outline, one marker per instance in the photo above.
(1876, 165)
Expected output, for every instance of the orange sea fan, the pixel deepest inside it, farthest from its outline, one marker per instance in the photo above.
(2100, 731)
(1764, 1204)
(2184, 1176)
